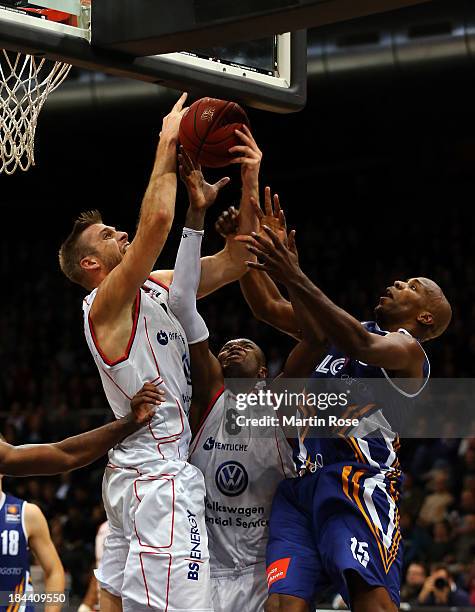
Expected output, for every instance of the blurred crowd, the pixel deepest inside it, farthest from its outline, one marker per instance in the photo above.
(49, 387)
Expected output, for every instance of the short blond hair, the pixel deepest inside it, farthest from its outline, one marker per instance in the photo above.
(74, 249)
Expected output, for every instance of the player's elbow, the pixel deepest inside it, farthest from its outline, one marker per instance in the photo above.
(55, 572)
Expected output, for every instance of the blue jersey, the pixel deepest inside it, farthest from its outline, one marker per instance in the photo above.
(374, 442)
(342, 514)
(15, 553)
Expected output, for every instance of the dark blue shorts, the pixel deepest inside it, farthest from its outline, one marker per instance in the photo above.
(343, 517)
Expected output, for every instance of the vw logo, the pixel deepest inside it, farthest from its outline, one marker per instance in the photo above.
(231, 478)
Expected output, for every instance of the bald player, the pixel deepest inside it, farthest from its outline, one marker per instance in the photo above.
(337, 524)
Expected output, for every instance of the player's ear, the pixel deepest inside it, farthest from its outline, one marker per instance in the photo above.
(425, 318)
(89, 263)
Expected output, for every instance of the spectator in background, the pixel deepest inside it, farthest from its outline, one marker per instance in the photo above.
(416, 576)
(435, 506)
(442, 546)
(412, 496)
(440, 590)
(467, 502)
(465, 540)
(416, 540)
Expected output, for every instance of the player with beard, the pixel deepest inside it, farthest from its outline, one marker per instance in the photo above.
(338, 524)
(154, 498)
(242, 464)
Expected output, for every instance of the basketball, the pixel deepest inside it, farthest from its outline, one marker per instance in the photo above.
(207, 131)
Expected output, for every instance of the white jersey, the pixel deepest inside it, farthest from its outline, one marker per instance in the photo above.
(157, 352)
(242, 470)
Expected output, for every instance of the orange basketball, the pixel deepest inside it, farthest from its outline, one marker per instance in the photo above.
(207, 131)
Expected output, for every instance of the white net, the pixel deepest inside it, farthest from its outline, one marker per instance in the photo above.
(25, 83)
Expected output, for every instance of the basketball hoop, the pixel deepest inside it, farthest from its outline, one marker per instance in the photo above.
(25, 83)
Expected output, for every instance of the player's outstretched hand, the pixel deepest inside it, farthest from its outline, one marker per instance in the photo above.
(274, 248)
(228, 223)
(278, 258)
(200, 193)
(145, 401)
(171, 122)
(272, 215)
(247, 154)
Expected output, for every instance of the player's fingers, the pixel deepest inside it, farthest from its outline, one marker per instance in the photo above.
(244, 239)
(268, 202)
(183, 163)
(244, 137)
(244, 149)
(262, 242)
(186, 161)
(234, 214)
(283, 220)
(152, 390)
(256, 250)
(222, 183)
(257, 209)
(277, 207)
(148, 386)
(184, 156)
(149, 398)
(178, 106)
(255, 265)
(292, 243)
(272, 235)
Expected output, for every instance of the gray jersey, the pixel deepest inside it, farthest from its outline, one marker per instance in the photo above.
(242, 467)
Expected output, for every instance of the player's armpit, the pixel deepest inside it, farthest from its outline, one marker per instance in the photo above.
(397, 352)
(268, 304)
(163, 277)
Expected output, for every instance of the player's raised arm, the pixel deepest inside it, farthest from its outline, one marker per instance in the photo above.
(78, 451)
(206, 374)
(260, 292)
(396, 352)
(228, 265)
(118, 290)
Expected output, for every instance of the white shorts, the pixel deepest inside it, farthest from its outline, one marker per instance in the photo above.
(156, 555)
(239, 590)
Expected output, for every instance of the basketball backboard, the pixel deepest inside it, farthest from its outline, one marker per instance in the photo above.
(269, 73)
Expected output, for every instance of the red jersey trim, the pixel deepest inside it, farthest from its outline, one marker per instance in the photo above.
(159, 283)
(205, 416)
(125, 356)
